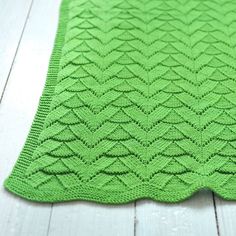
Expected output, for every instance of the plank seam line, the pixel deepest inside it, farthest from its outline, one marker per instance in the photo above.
(17, 48)
(49, 220)
(216, 216)
(135, 218)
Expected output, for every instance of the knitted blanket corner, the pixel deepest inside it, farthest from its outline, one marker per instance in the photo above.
(139, 102)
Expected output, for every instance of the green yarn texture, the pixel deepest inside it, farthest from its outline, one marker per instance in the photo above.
(139, 102)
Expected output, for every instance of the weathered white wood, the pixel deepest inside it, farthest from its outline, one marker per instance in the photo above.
(13, 16)
(91, 219)
(194, 217)
(20, 217)
(226, 214)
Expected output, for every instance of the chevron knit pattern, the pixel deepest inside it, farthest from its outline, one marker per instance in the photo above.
(139, 102)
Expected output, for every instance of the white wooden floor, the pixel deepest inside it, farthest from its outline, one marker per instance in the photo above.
(27, 31)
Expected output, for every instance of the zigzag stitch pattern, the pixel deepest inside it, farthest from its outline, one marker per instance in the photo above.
(139, 102)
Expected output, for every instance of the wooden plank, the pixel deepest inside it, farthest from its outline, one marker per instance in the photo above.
(194, 216)
(86, 218)
(226, 214)
(20, 217)
(13, 16)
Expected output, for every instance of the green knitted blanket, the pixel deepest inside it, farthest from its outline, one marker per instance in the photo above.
(139, 102)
